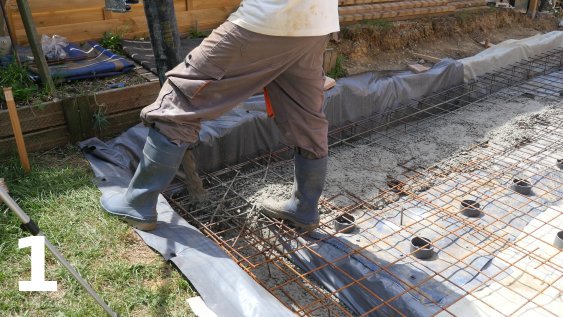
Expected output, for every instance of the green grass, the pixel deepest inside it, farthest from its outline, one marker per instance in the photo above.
(23, 88)
(338, 71)
(60, 196)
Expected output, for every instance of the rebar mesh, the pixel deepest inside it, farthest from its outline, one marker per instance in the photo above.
(506, 237)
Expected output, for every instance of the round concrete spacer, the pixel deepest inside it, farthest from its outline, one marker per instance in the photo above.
(522, 186)
(558, 242)
(422, 248)
(470, 208)
(345, 223)
(560, 163)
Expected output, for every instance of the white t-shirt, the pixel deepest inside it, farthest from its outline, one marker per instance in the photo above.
(288, 17)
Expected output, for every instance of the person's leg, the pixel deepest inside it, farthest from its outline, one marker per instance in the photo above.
(157, 166)
(229, 66)
(297, 97)
(189, 95)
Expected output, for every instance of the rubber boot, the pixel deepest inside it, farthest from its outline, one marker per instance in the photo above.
(302, 208)
(136, 204)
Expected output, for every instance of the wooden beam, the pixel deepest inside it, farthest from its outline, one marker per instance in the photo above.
(165, 38)
(18, 135)
(417, 68)
(428, 58)
(35, 44)
(533, 8)
(6, 29)
(3, 20)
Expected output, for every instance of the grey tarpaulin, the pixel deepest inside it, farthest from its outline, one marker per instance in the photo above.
(225, 287)
(247, 131)
(241, 134)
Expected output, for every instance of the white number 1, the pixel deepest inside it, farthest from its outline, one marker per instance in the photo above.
(37, 283)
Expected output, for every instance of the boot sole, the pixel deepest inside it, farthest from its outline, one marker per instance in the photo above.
(277, 215)
(144, 226)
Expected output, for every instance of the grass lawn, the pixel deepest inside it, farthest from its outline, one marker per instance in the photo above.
(60, 196)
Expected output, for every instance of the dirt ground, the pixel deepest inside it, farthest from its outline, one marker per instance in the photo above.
(381, 45)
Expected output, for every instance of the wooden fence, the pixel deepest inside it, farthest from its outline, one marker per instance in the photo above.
(80, 20)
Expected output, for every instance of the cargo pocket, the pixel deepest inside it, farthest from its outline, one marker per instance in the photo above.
(207, 63)
(196, 75)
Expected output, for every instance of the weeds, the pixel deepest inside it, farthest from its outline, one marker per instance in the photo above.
(382, 25)
(338, 70)
(195, 33)
(100, 120)
(112, 42)
(23, 87)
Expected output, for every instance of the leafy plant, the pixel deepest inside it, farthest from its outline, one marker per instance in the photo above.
(112, 42)
(100, 119)
(195, 33)
(338, 70)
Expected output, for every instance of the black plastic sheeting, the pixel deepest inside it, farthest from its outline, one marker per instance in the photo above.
(237, 136)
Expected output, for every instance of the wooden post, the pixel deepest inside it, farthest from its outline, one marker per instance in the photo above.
(16, 127)
(78, 116)
(533, 8)
(35, 44)
(165, 38)
(3, 20)
(11, 33)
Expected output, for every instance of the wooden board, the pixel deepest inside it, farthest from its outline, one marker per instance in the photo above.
(88, 20)
(47, 126)
(37, 141)
(33, 118)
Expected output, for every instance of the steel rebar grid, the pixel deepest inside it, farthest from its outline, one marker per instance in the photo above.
(257, 243)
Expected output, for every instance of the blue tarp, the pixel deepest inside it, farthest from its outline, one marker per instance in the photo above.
(105, 63)
(89, 60)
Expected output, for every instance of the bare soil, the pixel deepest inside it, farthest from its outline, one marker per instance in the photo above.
(381, 45)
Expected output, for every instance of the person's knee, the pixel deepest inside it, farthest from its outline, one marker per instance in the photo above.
(310, 154)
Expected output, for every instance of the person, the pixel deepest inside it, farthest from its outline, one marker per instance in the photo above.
(277, 44)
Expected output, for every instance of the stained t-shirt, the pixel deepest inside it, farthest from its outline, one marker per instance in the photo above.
(288, 17)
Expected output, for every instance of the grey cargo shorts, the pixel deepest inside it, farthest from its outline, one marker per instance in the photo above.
(231, 65)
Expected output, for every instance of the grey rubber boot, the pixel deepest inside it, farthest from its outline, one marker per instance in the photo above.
(137, 203)
(302, 208)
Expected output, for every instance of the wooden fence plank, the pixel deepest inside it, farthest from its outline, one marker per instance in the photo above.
(37, 141)
(34, 118)
(119, 100)
(120, 122)
(16, 127)
(86, 20)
